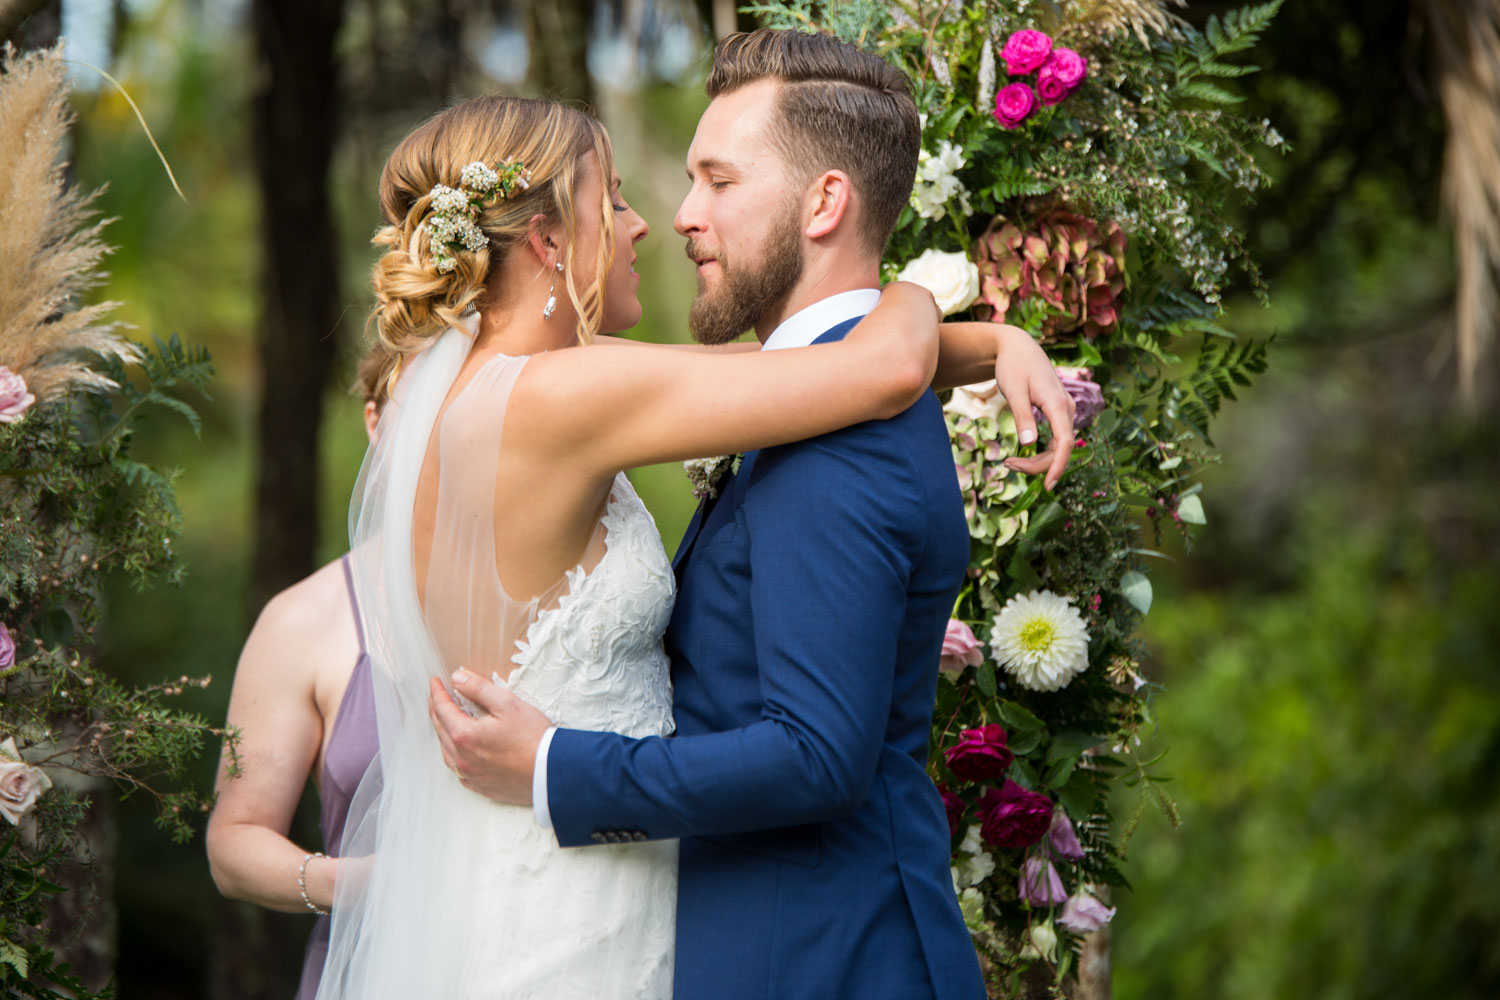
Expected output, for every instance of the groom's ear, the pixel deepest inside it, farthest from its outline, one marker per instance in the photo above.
(831, 196)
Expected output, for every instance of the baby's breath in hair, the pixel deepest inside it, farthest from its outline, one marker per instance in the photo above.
(452, 227)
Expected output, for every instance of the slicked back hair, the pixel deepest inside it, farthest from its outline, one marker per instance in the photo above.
(837, 109)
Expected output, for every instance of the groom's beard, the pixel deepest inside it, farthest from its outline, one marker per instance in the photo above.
(747, 291)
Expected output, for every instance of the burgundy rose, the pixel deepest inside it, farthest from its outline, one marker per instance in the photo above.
(954, 807)
(1025, 51)
(980, 754)
(1014, 104)
(1011, 816)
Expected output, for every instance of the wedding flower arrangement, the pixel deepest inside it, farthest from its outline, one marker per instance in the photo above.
(1080, 163)
(74, 506)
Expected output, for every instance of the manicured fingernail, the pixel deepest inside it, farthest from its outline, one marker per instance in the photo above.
(460, 676)
(1028, 436)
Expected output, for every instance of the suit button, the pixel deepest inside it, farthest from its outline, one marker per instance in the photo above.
(598, 837)
(612, 836)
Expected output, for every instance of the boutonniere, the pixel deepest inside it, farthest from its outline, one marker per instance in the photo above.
(705, 473)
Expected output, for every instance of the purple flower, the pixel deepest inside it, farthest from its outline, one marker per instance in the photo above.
(1025, 51)
(954, 807)
(980, 754)
(1060, 75)
(1011, 816)
(1064, 839)
(1083, 914)
(1040, 885)
(1087, 396)
(1014, 104)
(7, 648)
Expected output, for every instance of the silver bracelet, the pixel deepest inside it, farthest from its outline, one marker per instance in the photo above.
(302, 882)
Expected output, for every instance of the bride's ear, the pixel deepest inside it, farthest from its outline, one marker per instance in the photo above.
(539, 239)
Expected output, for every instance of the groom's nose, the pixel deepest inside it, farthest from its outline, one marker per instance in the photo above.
(689, 218)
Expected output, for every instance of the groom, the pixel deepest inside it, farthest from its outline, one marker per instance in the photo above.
(814, 591)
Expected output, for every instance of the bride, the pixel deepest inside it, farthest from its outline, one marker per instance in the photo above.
(493, 529)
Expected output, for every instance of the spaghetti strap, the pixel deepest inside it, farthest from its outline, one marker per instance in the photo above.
(359, 625)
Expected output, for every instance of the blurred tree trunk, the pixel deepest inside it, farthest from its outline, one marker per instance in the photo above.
(558, 33)
(295, 123)
(30, 24)
(82, 921)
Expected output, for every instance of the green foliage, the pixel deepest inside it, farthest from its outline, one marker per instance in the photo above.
(1334, 747)
(74, 507)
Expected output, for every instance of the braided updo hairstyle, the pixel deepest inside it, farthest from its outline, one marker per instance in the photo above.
(414, 301)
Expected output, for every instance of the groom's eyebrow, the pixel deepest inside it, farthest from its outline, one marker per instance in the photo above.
(708, 166)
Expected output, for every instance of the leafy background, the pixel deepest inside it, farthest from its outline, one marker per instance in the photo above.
(1329, 649)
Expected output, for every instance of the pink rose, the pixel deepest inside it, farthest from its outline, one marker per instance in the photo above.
(980, 754)
(1014, 104)
(1067, 66)
(1011, 816)
(20, 783)
(1040, 885)
(1064, 838)
(7, 647)
(1083, 914)
(960, 648)
(1025, 51)
(14, 399)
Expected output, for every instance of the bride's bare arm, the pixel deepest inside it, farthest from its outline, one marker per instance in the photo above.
(638, 407)
(736, 347)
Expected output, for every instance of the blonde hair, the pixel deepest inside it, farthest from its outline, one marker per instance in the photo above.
(376, 372)
(414, 301)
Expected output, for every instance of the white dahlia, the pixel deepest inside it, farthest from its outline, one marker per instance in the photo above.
(1040, 640)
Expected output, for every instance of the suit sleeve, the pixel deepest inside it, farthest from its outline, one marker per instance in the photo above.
(832, 536)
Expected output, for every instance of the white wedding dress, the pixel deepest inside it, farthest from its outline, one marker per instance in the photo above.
(441, 893)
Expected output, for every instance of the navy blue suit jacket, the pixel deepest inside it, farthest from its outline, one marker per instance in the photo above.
(804, 645)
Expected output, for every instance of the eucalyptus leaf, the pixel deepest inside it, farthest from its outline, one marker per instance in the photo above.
(1191, 510)
(1137, 590)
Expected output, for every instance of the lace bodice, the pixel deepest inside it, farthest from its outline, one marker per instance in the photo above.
(595, 660)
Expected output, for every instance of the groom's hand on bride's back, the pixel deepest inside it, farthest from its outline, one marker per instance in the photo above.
(494, 754)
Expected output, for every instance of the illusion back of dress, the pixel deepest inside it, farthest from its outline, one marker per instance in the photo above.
(442, 892)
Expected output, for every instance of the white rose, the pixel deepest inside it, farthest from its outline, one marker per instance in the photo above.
(20, 783)
(952, 278)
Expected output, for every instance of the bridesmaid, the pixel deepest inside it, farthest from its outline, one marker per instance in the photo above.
(302, 700)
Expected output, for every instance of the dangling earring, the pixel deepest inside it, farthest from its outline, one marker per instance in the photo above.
(551, 306)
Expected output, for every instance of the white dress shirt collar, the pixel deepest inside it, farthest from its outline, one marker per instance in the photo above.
(805, 326)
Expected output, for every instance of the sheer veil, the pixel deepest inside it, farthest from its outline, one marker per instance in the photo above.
(404, 914)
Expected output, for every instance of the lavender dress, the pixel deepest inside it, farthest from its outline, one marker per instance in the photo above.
(351, 748)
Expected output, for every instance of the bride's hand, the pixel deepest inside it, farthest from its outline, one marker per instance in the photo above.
(1027, 378)
(494, 754)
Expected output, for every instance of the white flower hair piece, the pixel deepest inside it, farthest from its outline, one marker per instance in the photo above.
(453, 227)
